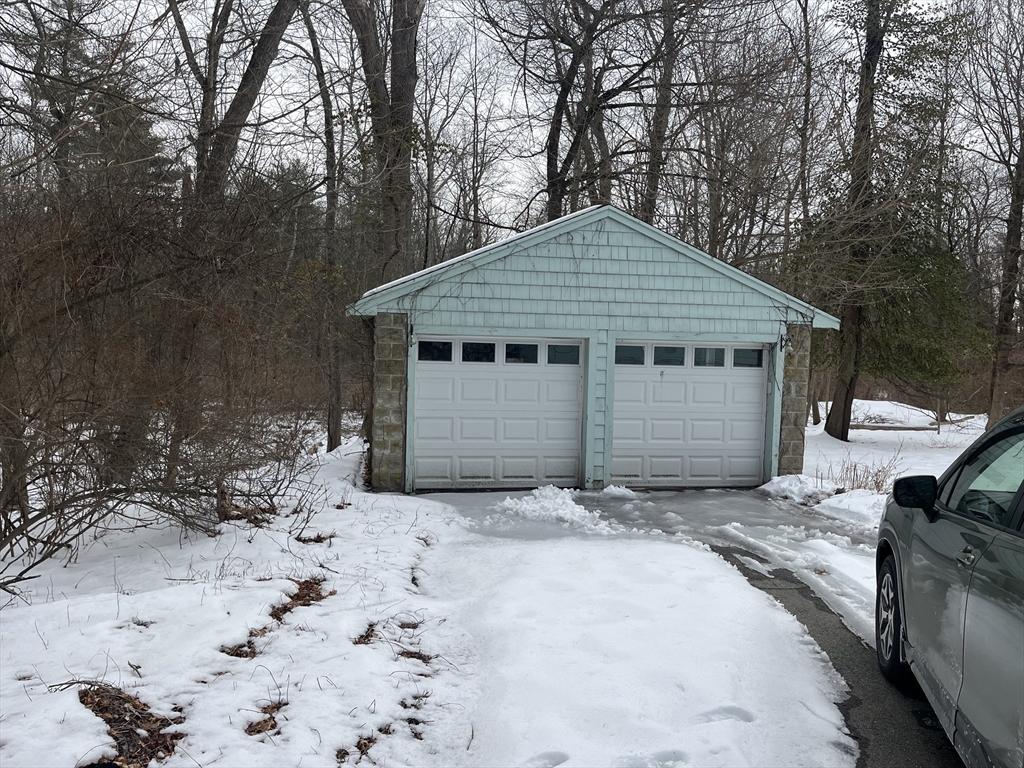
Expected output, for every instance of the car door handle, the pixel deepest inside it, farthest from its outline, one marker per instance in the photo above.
(967, 557)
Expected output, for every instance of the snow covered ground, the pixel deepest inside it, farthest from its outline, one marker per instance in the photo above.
(544, 629)
(839, 564)
(531, 634)
(800, 522)
(186, 626)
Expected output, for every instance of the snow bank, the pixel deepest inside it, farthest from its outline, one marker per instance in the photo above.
(618, 492)
(801, 489)
(832, 547)
(556, 505)
(858, 508)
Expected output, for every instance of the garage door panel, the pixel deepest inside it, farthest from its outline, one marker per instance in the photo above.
(629, 430)
(521, 392)
(519, 467)
(491, 423)
(706, 467)
(560, 468)
(747, 394)
(476, 468)
(439, 389)
(693, 426)
(519, 430)
(630, 392)
(667, 429)
(707, 430)
(628, 467)
(566, 392)
(746, 467)
(668, 393)
(434, 468)
(561, 430)
(707, 393)
(478, 429)
(748, 431)
(435, 428)
(665, 468)
(478, 391)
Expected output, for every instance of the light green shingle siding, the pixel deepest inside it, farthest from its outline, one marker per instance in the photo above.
(600, 277)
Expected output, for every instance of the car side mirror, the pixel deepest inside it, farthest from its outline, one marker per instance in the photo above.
(917, 492)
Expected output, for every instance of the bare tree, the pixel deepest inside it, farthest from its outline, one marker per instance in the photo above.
(332, 309)
(994, 75)
(389, 70)
(585, 57)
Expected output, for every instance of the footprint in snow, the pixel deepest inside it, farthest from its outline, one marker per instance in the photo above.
(728, 712)
(546, 760)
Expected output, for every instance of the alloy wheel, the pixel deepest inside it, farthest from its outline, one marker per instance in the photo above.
(886, 616)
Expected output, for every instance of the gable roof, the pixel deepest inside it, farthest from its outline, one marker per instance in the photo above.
(374, 300)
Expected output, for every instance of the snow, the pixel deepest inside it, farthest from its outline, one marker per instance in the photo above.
(619, 492)
(499, 629)
(543, 644)
(634, 652)
(549, 503)
(914, 452)
(166, 607)
(839, 563)
(800, 489)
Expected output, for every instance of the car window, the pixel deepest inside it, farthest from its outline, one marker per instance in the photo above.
(988, 482)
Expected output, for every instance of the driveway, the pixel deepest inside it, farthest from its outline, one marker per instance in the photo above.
(783, 550)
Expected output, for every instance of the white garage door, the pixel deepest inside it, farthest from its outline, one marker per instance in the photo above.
(688, 415)
(496, 413)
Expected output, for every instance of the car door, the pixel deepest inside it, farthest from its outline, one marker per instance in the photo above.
(990, 708)
(938, 571)
(975, 498)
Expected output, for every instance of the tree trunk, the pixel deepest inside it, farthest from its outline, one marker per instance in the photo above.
(858, 215)
(332, 306)
(216, 147)
(847, 372)
(14, 461)
(224, 144)
(392, 112)
(660, 118)
(815, 400)
(1001, 401)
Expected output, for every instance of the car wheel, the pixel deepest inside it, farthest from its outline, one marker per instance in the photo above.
(888, 623)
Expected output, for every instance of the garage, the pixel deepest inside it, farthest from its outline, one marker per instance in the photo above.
(588, 350)
(688, 416)
(496, 413)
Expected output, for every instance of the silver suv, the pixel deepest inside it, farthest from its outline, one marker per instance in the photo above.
(949, 604)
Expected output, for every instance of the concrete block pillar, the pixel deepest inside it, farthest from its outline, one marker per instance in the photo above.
(795, 385)
(390, 386)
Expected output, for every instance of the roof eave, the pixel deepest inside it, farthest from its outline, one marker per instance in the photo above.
(825, 321)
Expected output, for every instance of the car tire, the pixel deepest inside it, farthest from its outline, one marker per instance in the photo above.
(889, 623)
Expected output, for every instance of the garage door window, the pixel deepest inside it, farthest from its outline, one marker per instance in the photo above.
(629, 355)
(435, 351)
(520, 353)
(709, 357)
(563, 354)
(747, 358)
(670, 355)
(477, 352)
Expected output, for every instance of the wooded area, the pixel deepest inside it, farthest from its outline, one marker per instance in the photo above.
(192, 191)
